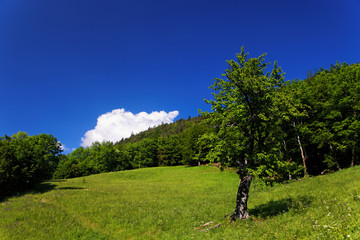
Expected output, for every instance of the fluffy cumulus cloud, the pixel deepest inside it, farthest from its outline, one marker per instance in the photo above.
(118, 124)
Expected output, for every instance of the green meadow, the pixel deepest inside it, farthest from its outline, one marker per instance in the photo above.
(174, 202)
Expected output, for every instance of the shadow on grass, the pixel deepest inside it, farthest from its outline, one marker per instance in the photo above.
(274, 208)
(36, 188)
(57, 180)
(41, 188)
(69, 188)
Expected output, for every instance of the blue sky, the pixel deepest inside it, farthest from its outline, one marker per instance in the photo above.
(63, 63)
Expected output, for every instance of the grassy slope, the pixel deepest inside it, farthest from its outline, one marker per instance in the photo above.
(167, 203)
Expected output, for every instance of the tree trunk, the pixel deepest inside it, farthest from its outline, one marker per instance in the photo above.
(302, 155)
(335, 159)
(242, 198)
(302, 152)
(353, 156)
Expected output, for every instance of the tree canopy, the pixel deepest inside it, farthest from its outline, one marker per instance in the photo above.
(246, 118)
(25, 160)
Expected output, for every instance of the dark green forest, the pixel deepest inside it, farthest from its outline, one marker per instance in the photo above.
(277, 129)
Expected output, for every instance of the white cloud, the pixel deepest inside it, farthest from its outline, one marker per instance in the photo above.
(118, 124)
(64, 148)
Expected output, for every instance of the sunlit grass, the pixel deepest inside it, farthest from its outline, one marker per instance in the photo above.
(167, 203)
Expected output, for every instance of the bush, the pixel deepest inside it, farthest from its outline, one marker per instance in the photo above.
(25, 160)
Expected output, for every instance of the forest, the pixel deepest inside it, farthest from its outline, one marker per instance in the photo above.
(269, 128)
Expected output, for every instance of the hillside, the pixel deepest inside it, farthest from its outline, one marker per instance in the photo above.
(169, 202)
(163, 130)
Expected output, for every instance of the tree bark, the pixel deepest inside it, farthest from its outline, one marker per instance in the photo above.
(335, 159)
(302, 155)
(302, 152)
(242, 198)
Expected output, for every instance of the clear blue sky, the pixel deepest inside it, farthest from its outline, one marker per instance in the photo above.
(65, 63)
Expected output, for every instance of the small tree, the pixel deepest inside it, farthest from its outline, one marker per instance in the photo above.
(245, 119)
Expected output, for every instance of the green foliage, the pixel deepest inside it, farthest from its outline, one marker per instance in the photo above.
(280, 129)
(144, 153)
(246, 118)
(165, 145)
(332, 127)
(25, 160)
(169, 151)
(99, 158)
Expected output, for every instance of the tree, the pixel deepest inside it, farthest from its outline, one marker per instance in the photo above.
(245, 122)
(25, 160)
(46, 150)
(290, 106)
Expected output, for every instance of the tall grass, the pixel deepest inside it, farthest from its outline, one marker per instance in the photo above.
(169, 202)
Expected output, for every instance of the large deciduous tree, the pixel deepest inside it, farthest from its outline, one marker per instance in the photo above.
(245, 122)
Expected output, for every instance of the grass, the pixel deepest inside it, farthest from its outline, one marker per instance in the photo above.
(169, 202)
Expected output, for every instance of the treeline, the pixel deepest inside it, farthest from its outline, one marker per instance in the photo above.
(318, 131)
(165, 145)
(324, 129)
(25, 160)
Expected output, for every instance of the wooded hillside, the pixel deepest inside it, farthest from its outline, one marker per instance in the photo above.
(302, 127)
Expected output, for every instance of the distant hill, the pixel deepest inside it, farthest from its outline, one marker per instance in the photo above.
(164, 130)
